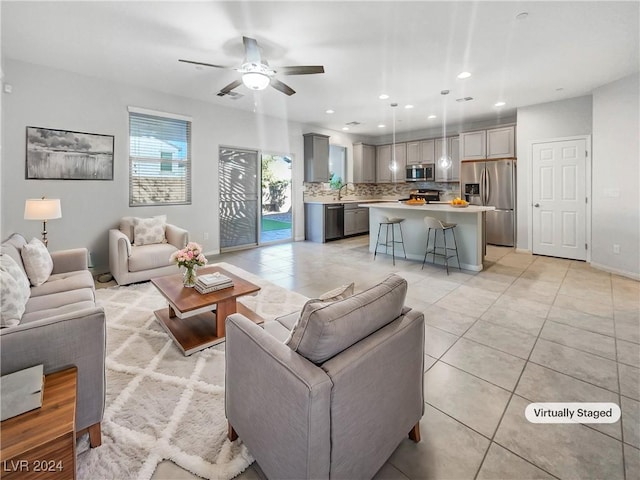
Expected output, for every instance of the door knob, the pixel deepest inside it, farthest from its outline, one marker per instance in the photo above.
(537, 205)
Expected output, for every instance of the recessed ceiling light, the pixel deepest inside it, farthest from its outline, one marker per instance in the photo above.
(329, 111)
(499, 104)
(432, 116)
(408, 106)
(464, 75)
(522, 16)
(345, 128)
(382, 125)
(383, 96)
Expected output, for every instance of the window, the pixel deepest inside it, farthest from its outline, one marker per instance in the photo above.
(159, 158)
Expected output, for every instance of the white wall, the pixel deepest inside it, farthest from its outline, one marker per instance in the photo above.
(616, 176)
(545, 121)
(44, 97)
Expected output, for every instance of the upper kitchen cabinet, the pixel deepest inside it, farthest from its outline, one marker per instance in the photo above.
(413, 153)
(451, 174)
(427, 151)
(491, 143)
(384, 157)
(316, 157)
(364, 163)
(501, 142)
(473, 145)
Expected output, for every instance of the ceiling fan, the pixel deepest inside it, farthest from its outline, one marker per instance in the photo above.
(256, 72)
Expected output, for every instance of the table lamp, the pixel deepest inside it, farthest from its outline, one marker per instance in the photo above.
(42, 209)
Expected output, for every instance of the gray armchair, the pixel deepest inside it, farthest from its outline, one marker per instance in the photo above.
(339, 397)
(130, 263)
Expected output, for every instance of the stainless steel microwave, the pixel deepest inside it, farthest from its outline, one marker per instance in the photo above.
(420, 173)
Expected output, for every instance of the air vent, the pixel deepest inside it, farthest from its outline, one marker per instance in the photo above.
(231, 95)
(352, 124)
(465, 99)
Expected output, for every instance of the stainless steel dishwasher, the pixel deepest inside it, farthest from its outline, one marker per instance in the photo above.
(333, 221)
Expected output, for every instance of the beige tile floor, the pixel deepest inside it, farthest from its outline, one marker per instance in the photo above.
(525, 329)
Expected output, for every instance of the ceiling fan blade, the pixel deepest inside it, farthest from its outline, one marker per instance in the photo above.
(300, 70)
(281, 87)
(225, 90)
(203, 64)
(251, 50)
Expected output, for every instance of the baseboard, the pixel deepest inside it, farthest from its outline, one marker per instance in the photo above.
(523, 250)
(622, 273)
(212, 252)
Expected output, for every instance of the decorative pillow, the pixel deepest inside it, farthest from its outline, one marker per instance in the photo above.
(326, 329)
(9, 265)
(147, 231)
(12, 303)
(37, 262)
(126, 227)
(340, 293)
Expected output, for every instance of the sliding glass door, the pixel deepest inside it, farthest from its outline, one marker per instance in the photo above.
(276, 218)
(239, 198)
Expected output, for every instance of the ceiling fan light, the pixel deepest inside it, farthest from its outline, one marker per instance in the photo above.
(256, 80)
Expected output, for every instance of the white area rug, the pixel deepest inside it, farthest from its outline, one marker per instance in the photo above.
(161, 405)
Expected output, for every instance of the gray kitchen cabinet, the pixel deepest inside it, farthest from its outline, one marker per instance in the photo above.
(413, 153)
(383, 160)
(473, 145)
(451, 174)
(501, 142)
(356, 220)
(364, 163)
(316, 157)
(384, 174)
(427, 151)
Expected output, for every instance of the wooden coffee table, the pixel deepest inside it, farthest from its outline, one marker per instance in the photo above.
(190, 319)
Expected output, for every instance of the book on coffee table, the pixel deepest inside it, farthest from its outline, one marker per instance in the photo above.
(212, 282)
(21, 391)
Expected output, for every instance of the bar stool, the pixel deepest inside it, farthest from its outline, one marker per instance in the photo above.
(437, 225)
(390, 222)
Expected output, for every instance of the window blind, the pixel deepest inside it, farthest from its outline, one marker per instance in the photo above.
(159, 160)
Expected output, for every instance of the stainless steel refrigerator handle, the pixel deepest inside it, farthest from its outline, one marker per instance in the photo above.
(487, 191)
(483, 181)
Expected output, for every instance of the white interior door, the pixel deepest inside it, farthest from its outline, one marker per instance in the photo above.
(559, 199)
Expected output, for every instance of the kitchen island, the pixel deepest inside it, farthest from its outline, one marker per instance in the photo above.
(469, 229)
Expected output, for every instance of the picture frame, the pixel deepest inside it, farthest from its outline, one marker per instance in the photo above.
(68, 155)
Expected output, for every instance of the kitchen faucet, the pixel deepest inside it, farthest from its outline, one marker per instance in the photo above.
(345, 185)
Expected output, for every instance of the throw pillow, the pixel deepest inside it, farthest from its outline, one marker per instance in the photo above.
(147, 231)
(11, 302)
(9, 265)
(327, 328)
(37, 262)
(340, 293)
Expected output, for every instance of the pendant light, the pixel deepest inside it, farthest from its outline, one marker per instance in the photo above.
(444, 162)
(393, 166)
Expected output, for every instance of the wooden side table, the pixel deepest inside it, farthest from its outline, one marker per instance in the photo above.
(41, 444)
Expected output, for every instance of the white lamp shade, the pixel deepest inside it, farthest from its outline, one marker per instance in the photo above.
(42, 209)
(256, 80)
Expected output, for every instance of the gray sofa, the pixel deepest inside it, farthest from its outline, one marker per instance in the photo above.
(61, 326)
(130, 263)
(329, 392)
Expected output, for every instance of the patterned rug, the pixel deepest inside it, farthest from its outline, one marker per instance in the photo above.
(161, 405)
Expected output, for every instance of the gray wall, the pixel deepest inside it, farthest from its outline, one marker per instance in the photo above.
(545, 121)
(616, 176)
(45, 97)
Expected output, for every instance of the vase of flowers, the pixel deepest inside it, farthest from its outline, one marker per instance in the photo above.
(190, 257)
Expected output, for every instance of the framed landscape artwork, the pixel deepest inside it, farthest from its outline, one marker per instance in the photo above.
(67, 155)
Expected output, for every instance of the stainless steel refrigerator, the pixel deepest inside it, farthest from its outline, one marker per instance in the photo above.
(493, 183)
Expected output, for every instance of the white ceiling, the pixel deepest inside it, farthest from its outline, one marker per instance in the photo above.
(409, 50)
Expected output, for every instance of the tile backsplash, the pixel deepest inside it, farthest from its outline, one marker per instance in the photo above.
(364, 191)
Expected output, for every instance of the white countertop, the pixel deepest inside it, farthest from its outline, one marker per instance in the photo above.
(439, 207)
(350, 200)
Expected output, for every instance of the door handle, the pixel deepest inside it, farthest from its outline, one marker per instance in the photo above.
(537, 205)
